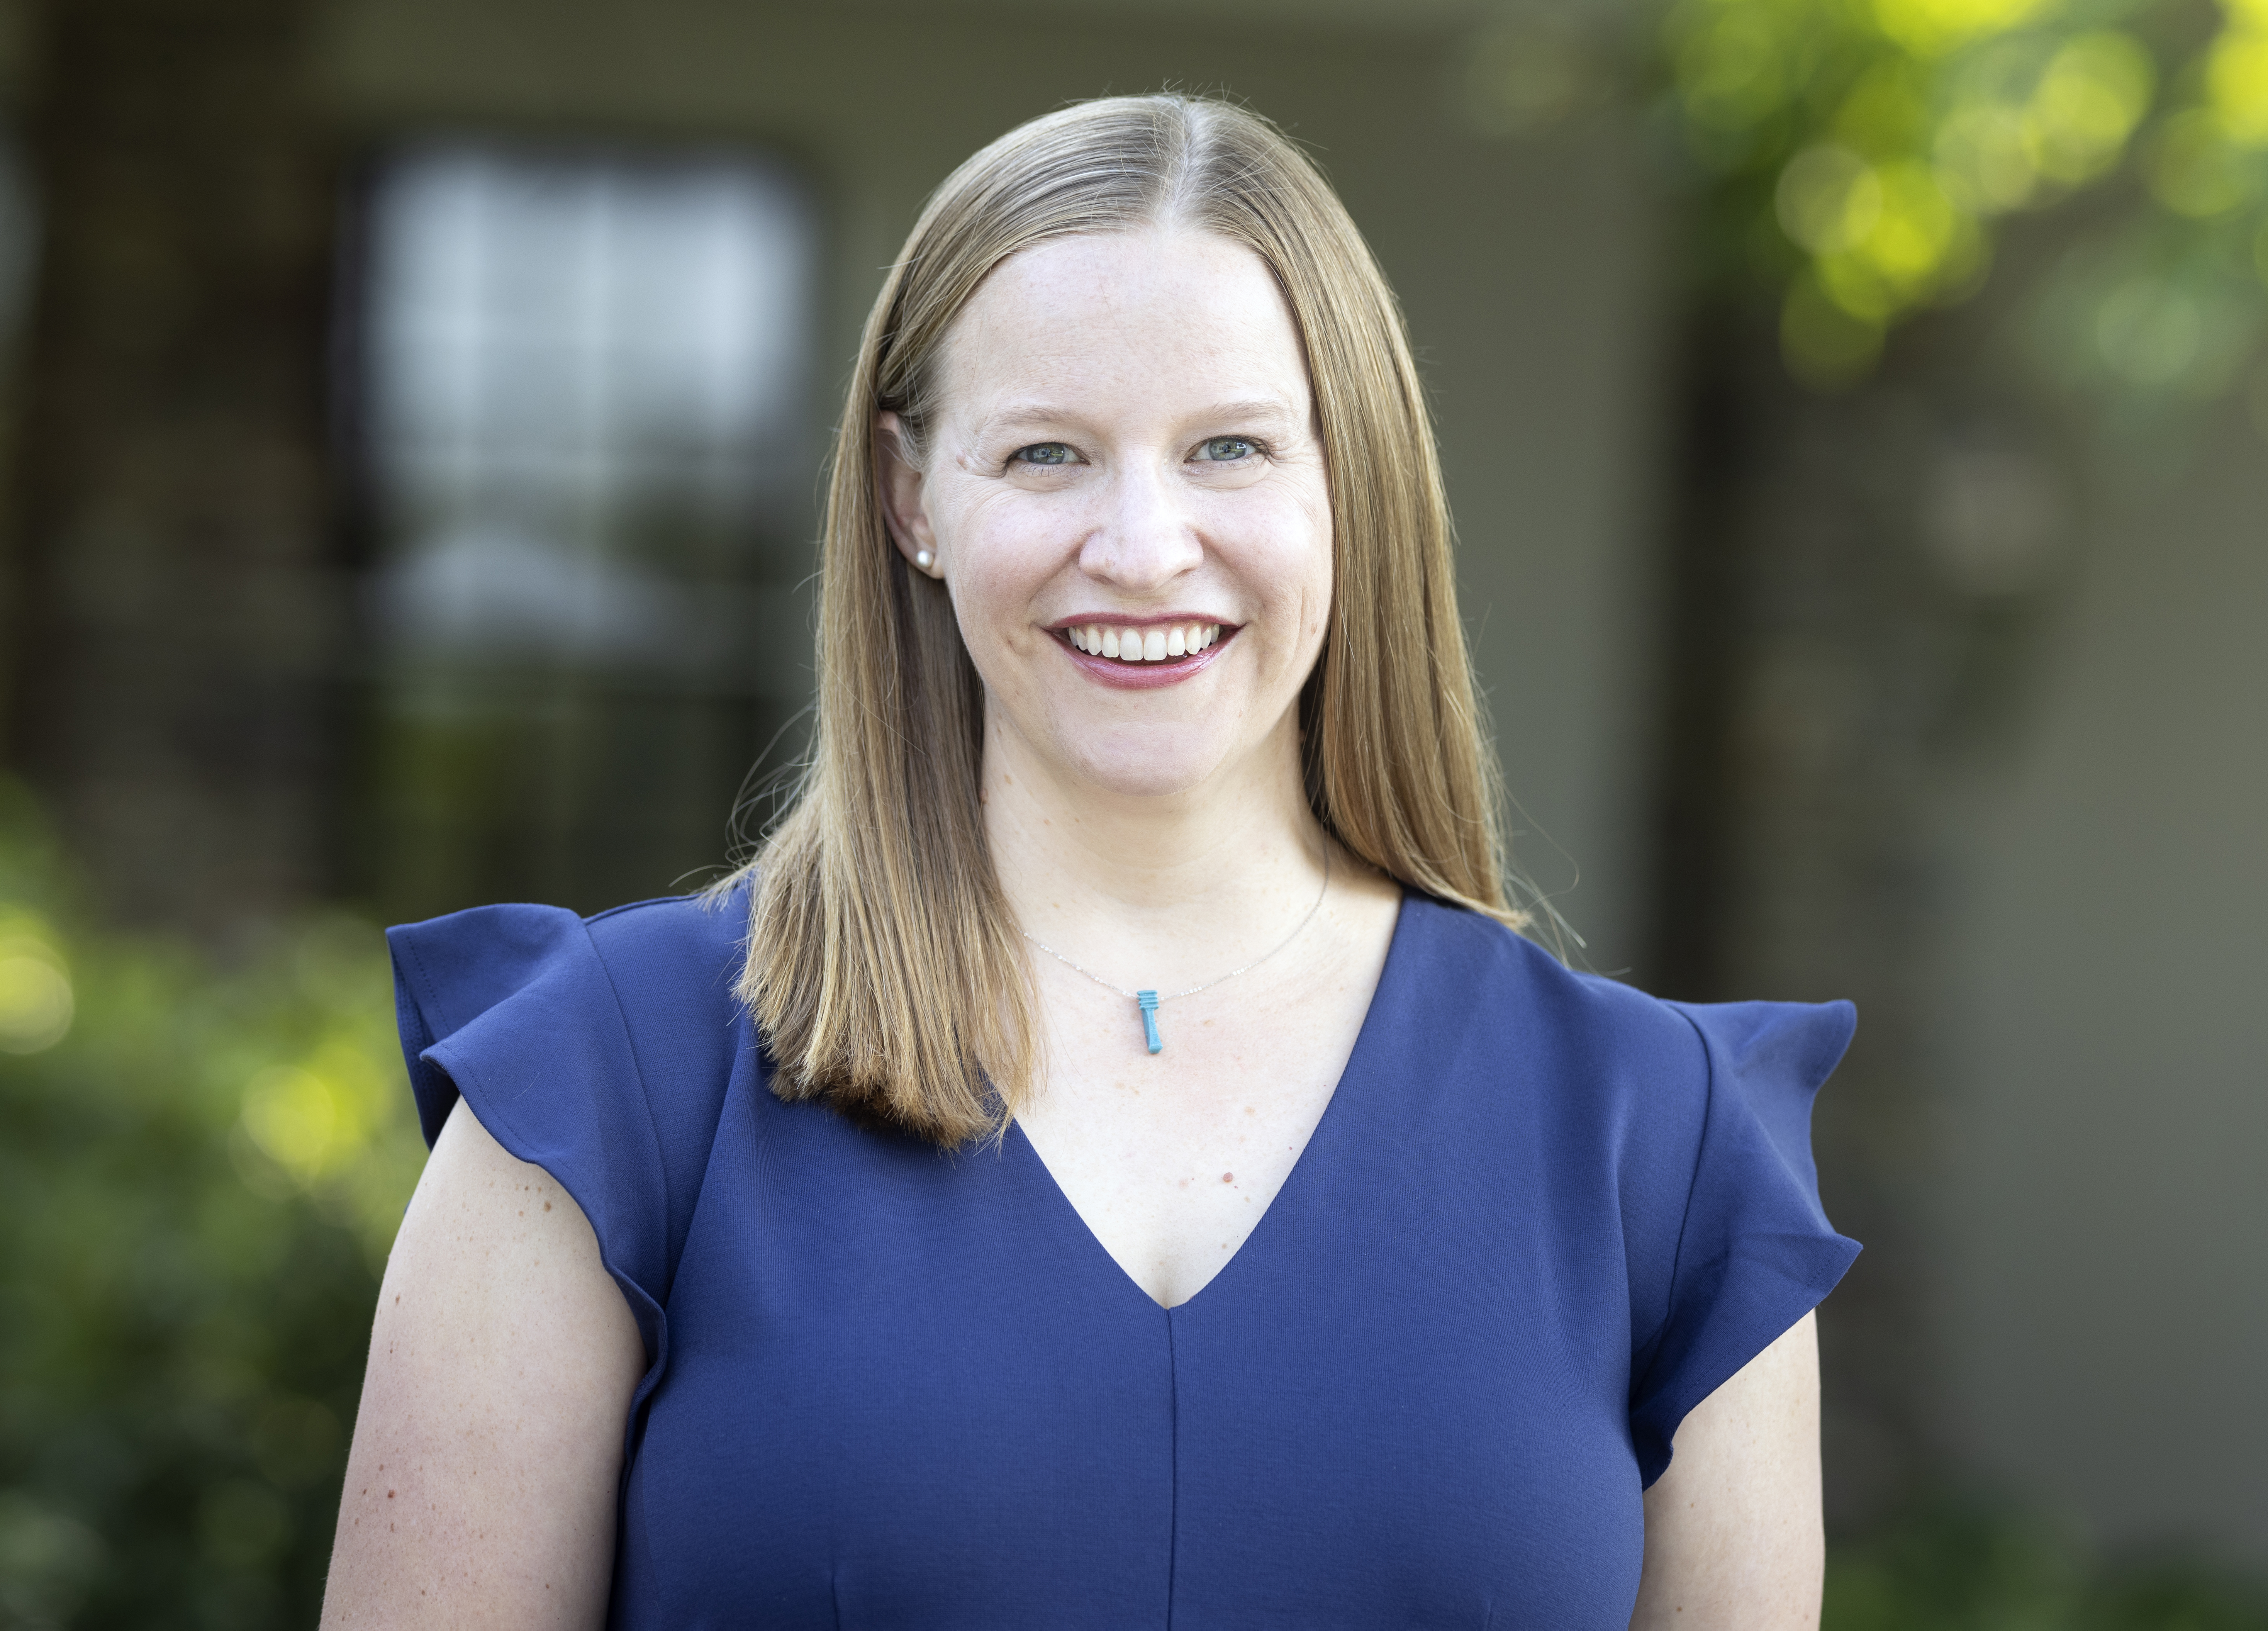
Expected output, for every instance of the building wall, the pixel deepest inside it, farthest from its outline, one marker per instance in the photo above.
(2103, 1232)
(1526, 270)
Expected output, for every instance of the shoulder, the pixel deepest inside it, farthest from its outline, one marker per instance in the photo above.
(1518, 994)
(675, 938)
(674, 968)
(1515, 1002)
(674, 945)
(507, 995)
(674, 962)
(1652, 1090)
(601, 1050)
(1687, 1124)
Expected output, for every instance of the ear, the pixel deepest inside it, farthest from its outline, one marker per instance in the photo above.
(902, 488)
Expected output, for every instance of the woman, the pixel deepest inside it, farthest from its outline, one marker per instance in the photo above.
(1108, 1163)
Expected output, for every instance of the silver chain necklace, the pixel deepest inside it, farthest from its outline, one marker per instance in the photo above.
(1148, 1001)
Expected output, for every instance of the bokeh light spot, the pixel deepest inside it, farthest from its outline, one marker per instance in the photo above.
(2237, 82)
(36, 1004)
(1830, 198)
(2094, 93)
(1933, 27)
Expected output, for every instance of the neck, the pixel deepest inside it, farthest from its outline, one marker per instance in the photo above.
(1153, 888)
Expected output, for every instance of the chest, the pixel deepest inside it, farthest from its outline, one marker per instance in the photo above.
(1170, 1159)
(909, 1389)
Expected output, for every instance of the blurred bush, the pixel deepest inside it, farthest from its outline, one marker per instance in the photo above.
(1960, 1565)
(1865, 154)
(200, 1171)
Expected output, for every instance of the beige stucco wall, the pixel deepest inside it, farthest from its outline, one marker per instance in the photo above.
(2102, 1244)
(1526, 269)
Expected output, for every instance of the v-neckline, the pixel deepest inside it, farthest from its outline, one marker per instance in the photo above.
(1356, 1060)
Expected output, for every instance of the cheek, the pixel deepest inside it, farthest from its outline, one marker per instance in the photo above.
(1285, 546)
(1000, 549)
(1023, 529)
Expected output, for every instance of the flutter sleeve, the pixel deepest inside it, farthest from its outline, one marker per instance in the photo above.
(513, 1008)
(1755, 1251)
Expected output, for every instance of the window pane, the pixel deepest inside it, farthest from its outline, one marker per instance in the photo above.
(587, 397)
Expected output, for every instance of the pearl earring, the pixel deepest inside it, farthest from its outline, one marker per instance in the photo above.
(923, 560)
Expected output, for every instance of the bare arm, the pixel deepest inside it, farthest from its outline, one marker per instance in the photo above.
(480, 1489)
(1733, 1536)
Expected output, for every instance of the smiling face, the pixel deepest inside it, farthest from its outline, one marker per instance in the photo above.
(1124, 493)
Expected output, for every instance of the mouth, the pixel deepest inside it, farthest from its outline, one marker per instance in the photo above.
(1142, 643)
(1145, 655)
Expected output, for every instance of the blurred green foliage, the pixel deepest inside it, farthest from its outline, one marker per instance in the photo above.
(1956, 1565)
(1864, 155)
(201, 1170)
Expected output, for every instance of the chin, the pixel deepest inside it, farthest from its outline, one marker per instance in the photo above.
(1131, 771)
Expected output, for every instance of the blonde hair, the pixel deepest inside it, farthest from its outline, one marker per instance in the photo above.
(884, 966)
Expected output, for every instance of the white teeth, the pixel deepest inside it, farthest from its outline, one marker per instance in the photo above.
(1185, 639)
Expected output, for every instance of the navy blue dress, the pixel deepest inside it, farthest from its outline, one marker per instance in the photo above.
(1543, 1216)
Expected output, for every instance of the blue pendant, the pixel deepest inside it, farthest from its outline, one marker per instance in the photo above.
(1149, 1002)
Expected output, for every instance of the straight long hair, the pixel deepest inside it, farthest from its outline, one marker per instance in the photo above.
(884, 966)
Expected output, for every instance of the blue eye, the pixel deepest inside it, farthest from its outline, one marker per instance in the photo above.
(1225, 449)
(1044, 453)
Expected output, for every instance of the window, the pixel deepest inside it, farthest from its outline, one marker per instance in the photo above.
(586, 395)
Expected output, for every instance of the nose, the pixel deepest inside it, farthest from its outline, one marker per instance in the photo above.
(1146, 536)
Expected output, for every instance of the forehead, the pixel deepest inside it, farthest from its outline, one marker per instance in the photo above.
(1160, 314)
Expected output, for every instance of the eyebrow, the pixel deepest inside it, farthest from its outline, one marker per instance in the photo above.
(1243, 410)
